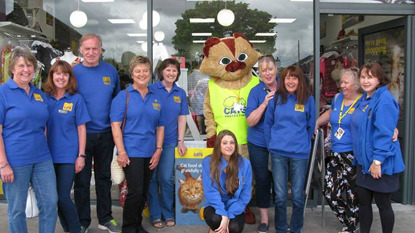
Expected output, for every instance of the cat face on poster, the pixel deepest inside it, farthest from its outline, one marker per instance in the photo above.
(190, 192)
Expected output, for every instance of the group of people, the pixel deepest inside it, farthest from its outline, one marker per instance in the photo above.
(56, 138)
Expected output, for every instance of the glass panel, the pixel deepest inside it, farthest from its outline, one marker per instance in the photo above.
(368, 1)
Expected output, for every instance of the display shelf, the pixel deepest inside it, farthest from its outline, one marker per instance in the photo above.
(346, 41)
(18, 30)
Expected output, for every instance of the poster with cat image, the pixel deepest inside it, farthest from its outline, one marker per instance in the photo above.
(189, 189)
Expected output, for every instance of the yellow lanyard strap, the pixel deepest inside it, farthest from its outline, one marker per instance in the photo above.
(341, 109)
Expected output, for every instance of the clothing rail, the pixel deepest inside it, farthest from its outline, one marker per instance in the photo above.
(318, 142)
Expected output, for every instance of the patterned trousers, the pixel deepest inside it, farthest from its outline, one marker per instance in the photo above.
(340, 189)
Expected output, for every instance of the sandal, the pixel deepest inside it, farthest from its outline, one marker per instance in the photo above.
(157, 223)
(170, 222)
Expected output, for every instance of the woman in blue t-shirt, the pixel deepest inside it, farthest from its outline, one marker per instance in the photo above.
(288, 127)
(341, 174)
(66, 133)
(378, 158)
(24, 154)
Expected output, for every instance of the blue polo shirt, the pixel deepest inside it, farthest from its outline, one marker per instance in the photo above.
(143, 117)
(65, 115)
(98, 85)
(175, 105)
(345, 143)
(255, 98)
(23, 118)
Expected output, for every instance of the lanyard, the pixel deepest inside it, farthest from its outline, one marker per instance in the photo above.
(341, 109)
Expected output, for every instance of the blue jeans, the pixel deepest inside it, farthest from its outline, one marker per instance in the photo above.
(297, 168)
(161, 203)
(99, 146)
(65, 173)
(42, 177)
(263, 177)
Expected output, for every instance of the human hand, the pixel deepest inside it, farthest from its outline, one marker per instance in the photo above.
(123, 159)
(268, 97)
(79, 164)
(375, 170)
(7, 174)
(182, 148)
(224, 225)
(155, 159)
(395, 135)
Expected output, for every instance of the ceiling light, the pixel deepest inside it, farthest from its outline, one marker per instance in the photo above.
(136, 34)
(98, 0)
(201, 34)
(301, 0)
(159, 36)
(156, 18)
(78, 18)
(140, 41)
(266, 34)
(281, 20)
(199, 41)
(257, 41)
(226, 17)
(144, 46)
(121, 21)
(200, 20)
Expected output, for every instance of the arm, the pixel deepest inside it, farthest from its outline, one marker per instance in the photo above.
(311, 118)
(245, 196)
(6, 170)
(323, 120)
(156, 156)
(80, 162)
(211, 191)
(122, 159)
(256, 115)
(269, 121)
(181, 127)
(209, 120)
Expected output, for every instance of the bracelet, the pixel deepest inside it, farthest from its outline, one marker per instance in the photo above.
(121, 153)
(4, 165)
(180, 140)
(159, 148)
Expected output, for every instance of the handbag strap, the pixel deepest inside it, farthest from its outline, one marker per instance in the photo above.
(126, 109)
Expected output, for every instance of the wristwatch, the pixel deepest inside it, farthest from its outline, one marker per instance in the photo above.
(377, 162)
(159, 148)
(82, 155)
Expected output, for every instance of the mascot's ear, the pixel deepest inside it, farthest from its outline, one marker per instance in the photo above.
(210, 43)
(237, 34)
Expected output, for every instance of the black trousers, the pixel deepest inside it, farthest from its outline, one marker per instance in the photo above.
(99, 146)
(383, 202)
(138, 176)
(236, 225)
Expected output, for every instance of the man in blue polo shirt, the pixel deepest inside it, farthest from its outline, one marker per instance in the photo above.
(98, 83)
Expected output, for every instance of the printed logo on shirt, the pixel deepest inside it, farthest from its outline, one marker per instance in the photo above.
(107, 80)
(351, 110)
(364, 110)
(38, 97)
(234, 106)
(67, 106)
(299, 108)
(156, 105)
(177, 99)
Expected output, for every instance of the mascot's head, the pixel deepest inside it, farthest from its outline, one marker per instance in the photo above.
(229, 58)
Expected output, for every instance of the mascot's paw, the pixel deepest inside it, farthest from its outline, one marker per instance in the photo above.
(249, 216)
(201, 213)
(210, 143)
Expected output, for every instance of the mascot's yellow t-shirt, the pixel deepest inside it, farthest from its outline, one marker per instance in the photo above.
(228, 107)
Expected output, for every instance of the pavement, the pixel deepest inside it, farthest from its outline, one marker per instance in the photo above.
(404, 221)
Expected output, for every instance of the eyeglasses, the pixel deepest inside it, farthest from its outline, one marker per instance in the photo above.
(266, 57)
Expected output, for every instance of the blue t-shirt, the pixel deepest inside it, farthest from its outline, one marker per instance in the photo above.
(65, 115)
(143, 118)
(175, 105)
(98, 85)
(288, 127)
(23, 118)
(255, 98)
(345, 143)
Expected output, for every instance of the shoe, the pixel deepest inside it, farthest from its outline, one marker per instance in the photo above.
(111, 226)
(249, 216)
(170, 222)
(263, 228)
(84, 229)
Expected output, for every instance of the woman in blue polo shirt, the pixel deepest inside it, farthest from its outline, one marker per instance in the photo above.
(66, 133)
(258, 100)
(378, 158)
(227, 184)
(288, 127)
(175, 102)
(24, 154)
(340, 180)
(139, 145)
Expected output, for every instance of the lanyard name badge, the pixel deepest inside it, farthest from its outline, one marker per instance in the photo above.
(340, 132)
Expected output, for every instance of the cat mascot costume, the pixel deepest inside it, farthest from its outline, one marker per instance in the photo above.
(229, 61)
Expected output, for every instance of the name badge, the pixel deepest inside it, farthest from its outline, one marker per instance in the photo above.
(177, 99)
(67, 106)
(107, 80)
(339, 133)
(299, 108)
(37, 97)
(62, 111)
(351, 111)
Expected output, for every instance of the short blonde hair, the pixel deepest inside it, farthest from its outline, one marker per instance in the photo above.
(24, 52)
